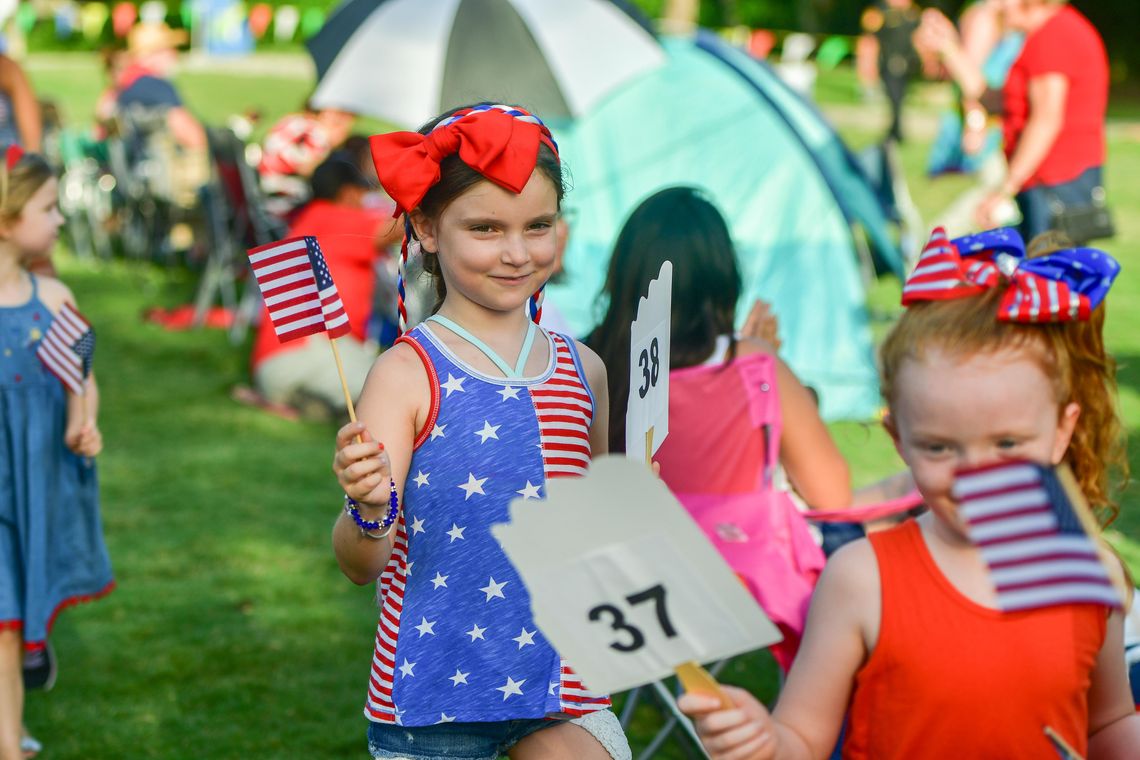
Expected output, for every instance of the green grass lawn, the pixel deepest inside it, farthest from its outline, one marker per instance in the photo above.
(232, 633)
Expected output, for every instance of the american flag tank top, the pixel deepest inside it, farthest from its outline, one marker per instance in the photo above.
(456, 640)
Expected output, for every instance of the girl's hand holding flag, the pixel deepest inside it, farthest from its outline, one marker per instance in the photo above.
(68, 351)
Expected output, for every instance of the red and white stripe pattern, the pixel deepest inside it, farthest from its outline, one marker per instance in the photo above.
(1030, 537)
(1036, 299)
(565, 412)
(379, 705)
(67, 348)
(576, 699)
(298, 289)
(940, 273)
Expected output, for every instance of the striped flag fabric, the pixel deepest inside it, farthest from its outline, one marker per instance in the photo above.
(68, 347)
(1029, 522)
(298, 289)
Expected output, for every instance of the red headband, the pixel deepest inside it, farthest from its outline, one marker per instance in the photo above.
(501, 144)
(13, 155)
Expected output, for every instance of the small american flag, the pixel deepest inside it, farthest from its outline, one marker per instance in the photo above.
(1030, 523)
(68, 348)
(298, 289)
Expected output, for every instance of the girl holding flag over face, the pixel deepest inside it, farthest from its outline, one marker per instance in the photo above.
(971, 632)
(51, 541)
(473, 408)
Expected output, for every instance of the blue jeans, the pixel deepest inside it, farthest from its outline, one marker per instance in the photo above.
(451, 741)
(1036, 203)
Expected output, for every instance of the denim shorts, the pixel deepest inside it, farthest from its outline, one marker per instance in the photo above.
(453, 741)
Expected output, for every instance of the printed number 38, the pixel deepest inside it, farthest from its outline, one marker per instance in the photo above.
(650, 364)
(617, 621)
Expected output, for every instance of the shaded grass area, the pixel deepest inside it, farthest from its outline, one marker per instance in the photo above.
(232, 633)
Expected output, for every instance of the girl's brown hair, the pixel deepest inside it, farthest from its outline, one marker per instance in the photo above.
(20, 183)
(1071, 353)
(455, 178)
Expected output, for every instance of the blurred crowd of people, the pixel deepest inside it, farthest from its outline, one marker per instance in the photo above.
(1031, 84)
(748, 454)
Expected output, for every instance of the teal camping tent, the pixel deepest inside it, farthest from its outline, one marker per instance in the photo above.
(716, 119)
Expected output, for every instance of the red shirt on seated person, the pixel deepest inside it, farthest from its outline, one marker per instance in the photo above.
(352, 237)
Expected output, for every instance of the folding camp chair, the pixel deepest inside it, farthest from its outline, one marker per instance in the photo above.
(158, 182)
(677, 725)
(236, 220)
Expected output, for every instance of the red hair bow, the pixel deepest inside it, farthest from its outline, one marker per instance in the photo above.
(500, 144)
(12, 156)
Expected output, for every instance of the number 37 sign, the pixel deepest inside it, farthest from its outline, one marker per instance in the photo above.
(623, 583)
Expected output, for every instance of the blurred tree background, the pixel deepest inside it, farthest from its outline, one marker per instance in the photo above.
(1117, 20)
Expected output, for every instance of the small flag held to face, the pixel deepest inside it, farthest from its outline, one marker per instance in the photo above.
(298, 289)
(68, 348)
(1035, 534)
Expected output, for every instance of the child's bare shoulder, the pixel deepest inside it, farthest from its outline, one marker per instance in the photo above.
(53, 293)
(852, 570)
(399, 365)
(592, 364)
(848, 590)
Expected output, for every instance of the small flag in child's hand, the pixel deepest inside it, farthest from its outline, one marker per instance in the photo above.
(1033, 536)
(298, 289)
(68, 348)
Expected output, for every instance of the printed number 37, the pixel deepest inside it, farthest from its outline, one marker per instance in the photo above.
(617, 621)
(650, 363)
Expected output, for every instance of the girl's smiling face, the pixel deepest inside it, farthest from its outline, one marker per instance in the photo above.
(952, 411)
(495, 248)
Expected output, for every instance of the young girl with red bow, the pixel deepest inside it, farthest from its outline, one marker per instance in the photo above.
(51, 542)
(998, 357)
(450, 433)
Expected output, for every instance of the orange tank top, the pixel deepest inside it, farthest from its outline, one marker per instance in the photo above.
(951, 678)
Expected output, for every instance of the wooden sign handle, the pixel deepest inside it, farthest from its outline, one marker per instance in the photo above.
(1062, 745)
(697, 680)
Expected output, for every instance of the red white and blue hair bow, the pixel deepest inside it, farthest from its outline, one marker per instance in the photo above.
(499, 142)
(1059, 287)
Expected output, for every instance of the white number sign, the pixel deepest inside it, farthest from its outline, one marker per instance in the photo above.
(622, 581)
(649, 368)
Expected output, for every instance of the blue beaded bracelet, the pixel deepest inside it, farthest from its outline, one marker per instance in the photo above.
(385, 523)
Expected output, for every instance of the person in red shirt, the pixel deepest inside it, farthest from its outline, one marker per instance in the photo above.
(1053, 108)
(353, 236)
(292, 150)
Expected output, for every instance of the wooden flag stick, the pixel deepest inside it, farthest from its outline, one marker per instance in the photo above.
(697, 680)
(649, 447)
(344, 386)
(1062, 745)
(343, 381)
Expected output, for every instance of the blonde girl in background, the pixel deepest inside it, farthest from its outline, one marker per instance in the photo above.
(52, 553)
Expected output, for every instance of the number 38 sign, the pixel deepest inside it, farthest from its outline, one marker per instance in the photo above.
(648, 408)
(622, 581)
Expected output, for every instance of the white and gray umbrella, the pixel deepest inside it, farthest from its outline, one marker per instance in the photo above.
(405, 61)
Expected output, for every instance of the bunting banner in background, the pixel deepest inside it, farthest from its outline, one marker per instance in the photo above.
(68, 348)
(298, 290)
